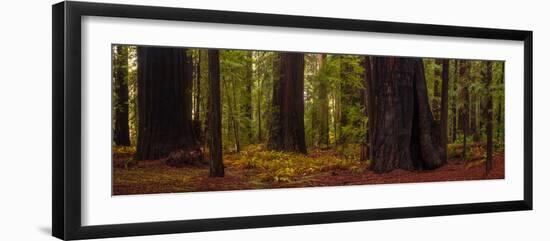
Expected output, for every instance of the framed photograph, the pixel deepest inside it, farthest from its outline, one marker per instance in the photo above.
(170, 120)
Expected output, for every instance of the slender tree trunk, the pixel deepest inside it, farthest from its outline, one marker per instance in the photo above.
(164, 103)
(247, 105)
(444, 106)
(196, 111)
(455, 100)
(464, 69)
(367, 81)
(121, 132)
(260, 95)
(323, 106)
(405, 134)
(489, 117)
(437, 92)
(214, 115)
(234, 117)
(287, 125)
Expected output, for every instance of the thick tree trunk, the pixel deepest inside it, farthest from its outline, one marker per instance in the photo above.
(444, 106)
(287, 125)
(196, 111)
(214, 115)
(121, 132)
(405, 134)
(164, 103)
(489, 117)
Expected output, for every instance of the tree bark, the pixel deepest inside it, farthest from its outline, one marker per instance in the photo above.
(323, 106)
(287, 125)
(444, 106)
(465, 109)
(121, 132)
(454, 103)
(405, 134)
(247, 105)
(489, 117)
(214, 115)
(165, 126)
(367, 81)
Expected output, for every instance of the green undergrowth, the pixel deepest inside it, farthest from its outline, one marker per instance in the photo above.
(274, 166)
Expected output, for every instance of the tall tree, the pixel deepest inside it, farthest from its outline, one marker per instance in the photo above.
(286, 131)
(323, 114)
(214, 115)
(489, 116)
(465, 106)
(444, 106)
(454, 104)
(197, 100)
(247, 96)
(367, 80)
(405, 134)
(121, 132)
(165, 124)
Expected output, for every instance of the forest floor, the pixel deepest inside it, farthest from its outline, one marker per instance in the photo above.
(256, 168)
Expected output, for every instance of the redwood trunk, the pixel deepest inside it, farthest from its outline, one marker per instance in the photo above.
(444, 107)
(287, 125)
(489, 117)
(214, 115)
(121, 132)
(404, 131)
(367, 80)
(165, 128)
(323, 106)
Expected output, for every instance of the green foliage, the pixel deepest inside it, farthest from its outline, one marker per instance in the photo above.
(273, 166)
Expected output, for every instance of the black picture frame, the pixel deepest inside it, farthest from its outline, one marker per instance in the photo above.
(66, 142)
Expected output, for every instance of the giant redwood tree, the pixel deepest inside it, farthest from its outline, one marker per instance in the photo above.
(214, 128)
(121, 130)
(404, 134)
(165, 126)
(286, 131)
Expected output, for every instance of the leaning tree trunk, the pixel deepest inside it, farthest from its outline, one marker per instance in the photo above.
(405, 134)
(121, 132)
(489, 117)
(165, 128)
(214, 115)
(287, 125)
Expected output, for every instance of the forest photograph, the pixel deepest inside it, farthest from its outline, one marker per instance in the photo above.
(196, 119)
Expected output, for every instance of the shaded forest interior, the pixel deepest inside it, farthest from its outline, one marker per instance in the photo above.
(206, 119)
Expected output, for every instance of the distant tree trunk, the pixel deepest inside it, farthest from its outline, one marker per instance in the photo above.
(233, 120)
(323, 106)
(489, 117)
(367, 80)
(465, 110)
(444, 106)
(259, 104)
(405, 134)
(197, 126)
(121, 132)
(247, 95)
(214, 115)
(287, 125)
(437, 92)
(455, 100)
(196, 111)
(164, 104)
